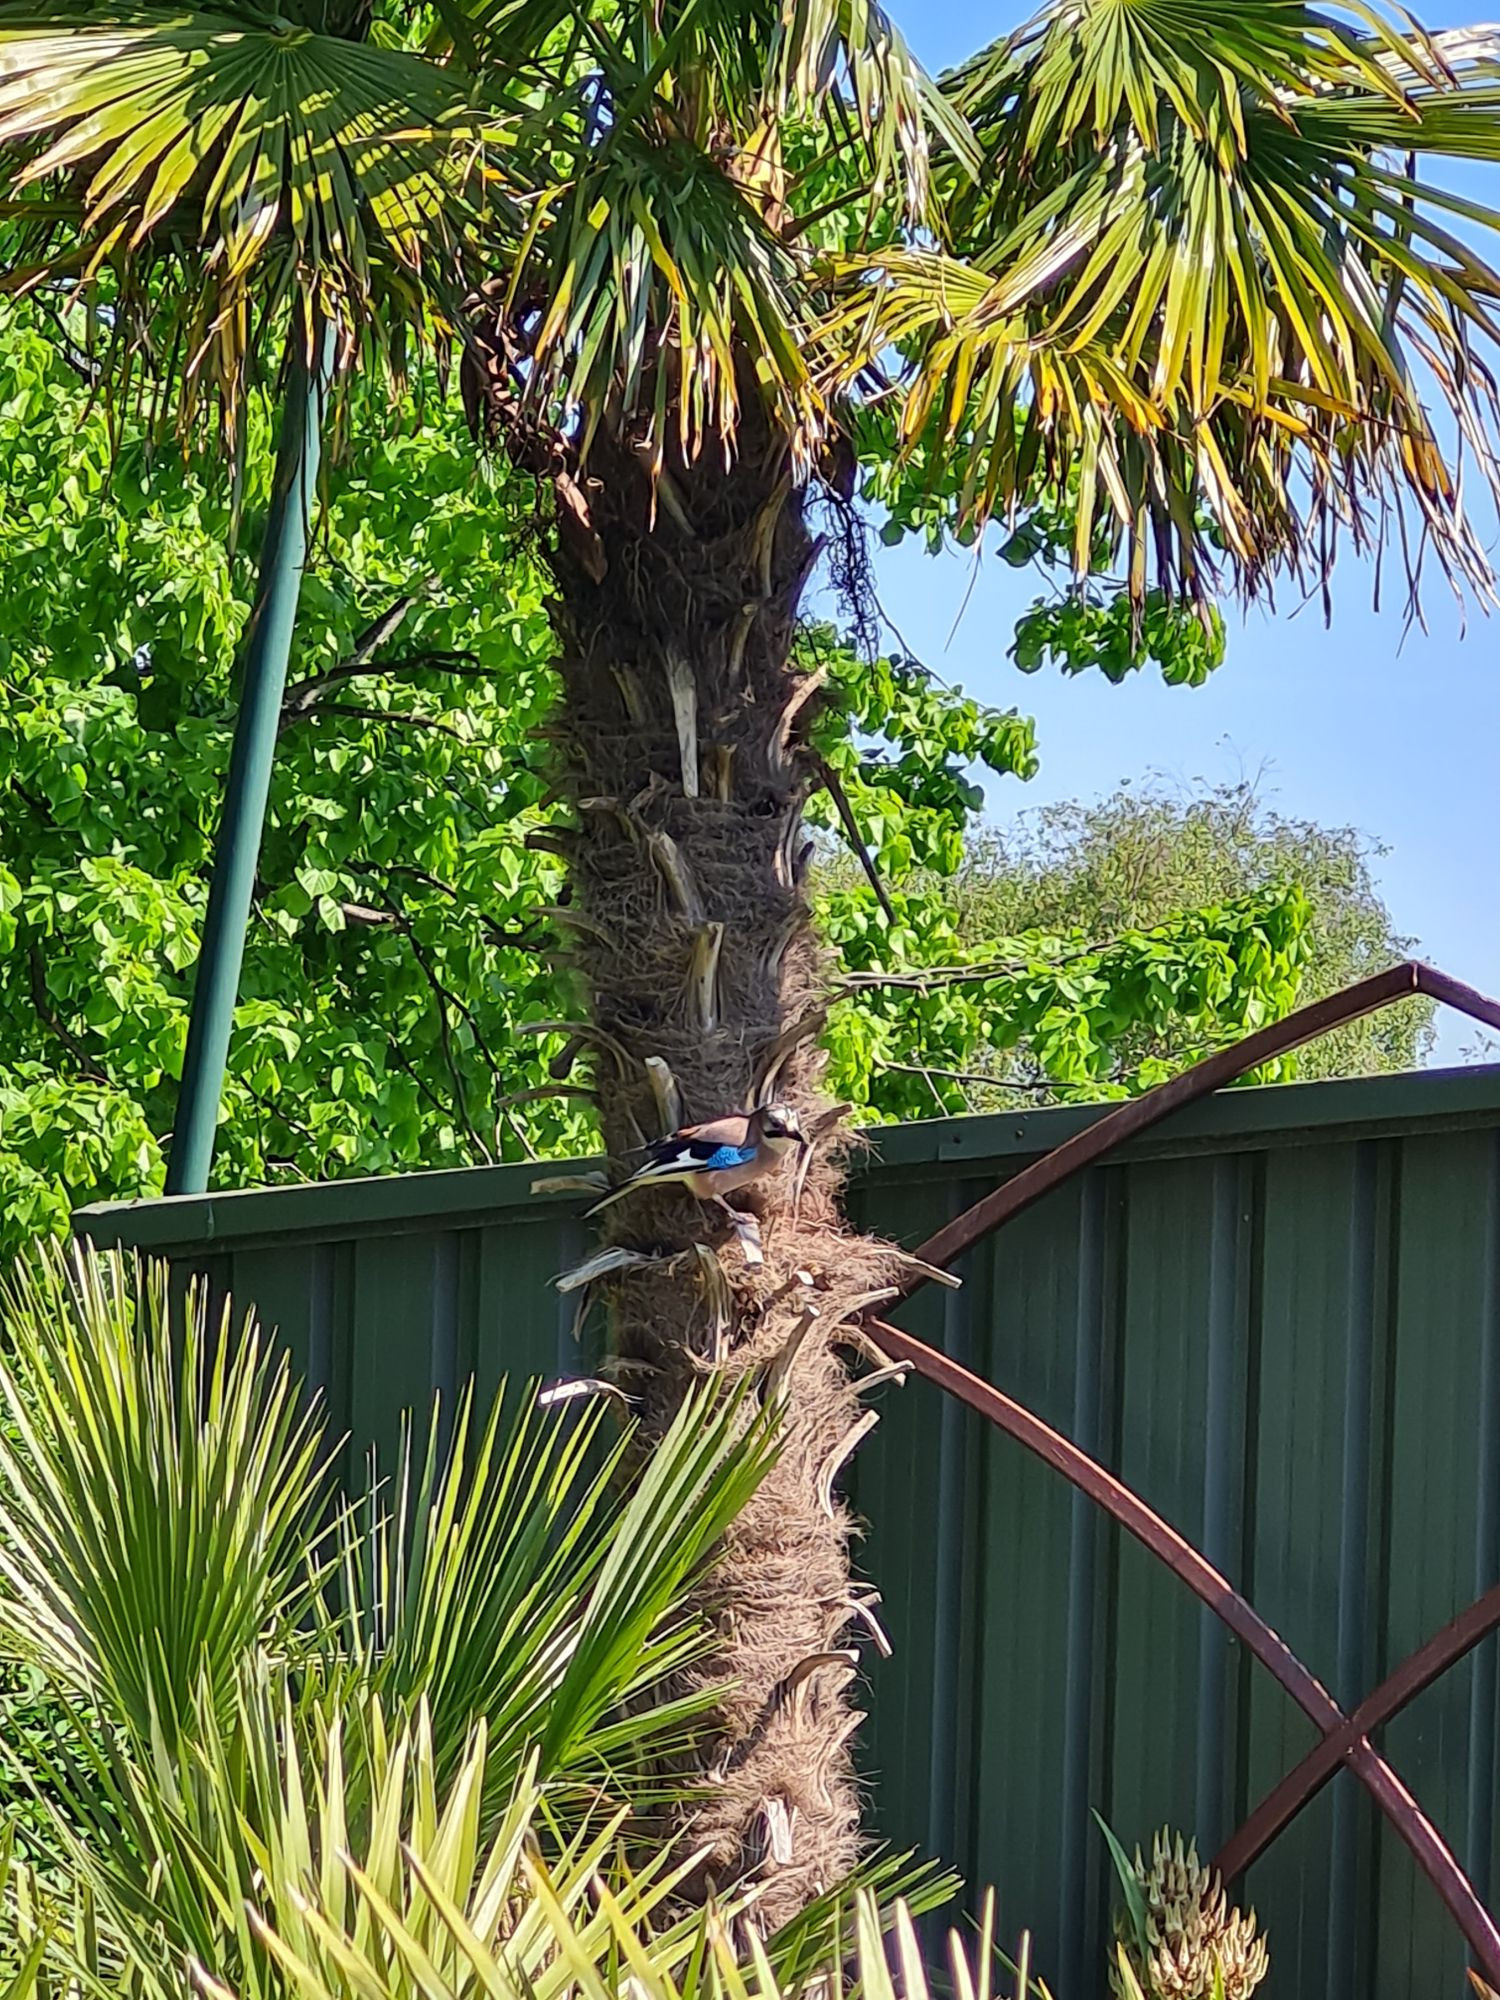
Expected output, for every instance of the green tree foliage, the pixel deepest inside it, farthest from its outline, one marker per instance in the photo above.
(391, 964)
(398, 968)
(1092, 1019)
(934, 1000)
(1109, 923)
(1148, 852)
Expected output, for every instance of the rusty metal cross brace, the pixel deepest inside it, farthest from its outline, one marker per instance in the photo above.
(1345, 1738)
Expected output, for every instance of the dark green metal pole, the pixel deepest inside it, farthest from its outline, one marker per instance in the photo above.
(237, 852)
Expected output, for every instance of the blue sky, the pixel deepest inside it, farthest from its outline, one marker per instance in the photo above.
(1364, 724)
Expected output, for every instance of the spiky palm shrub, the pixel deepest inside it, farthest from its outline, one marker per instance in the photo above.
(496, 1642)
(437, 1903)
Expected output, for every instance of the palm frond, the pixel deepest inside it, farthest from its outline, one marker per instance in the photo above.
(422, 1892)
(433, 1908)
(1197, 281)
(199, 171)
(661, 278)
(824, 46)
(160, 1488)
(227, 1674)
(510, 1578)
(1093, 70)
(237, 1859)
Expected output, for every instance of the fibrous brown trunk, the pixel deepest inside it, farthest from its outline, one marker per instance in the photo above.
(686, 770)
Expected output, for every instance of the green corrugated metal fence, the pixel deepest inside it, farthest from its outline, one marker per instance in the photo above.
(1278, 1318)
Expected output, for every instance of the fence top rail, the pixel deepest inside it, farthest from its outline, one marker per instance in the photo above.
(1252, 1118)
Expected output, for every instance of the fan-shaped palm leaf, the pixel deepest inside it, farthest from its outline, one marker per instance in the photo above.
(160, 1499)
(1198, 277)
(212, 163)
(660, 273)
(159, 1487)
(509, 1577)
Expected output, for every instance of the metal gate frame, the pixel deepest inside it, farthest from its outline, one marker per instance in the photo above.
(1345, 1738)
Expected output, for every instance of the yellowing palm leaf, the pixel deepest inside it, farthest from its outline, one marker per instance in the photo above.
(1197, 278)
(203, 161)
(660, 266)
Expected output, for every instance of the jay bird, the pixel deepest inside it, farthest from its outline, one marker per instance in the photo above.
(713, 1159)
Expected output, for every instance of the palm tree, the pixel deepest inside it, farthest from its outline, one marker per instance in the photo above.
(1170, 266)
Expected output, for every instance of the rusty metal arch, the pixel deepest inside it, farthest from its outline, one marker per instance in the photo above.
(1345, 1739)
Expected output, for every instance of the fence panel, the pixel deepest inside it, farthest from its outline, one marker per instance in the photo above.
(1278, 1317)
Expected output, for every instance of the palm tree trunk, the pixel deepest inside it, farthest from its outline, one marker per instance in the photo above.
(686, 768)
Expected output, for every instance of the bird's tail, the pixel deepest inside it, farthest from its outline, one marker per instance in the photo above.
(668, 1178)
(613, 1196)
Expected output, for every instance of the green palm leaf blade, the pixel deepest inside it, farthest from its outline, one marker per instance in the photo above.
(1196, 267)
(161, 1489)
(199, 162)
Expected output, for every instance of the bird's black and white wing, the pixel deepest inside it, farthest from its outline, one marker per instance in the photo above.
(671, 1158)
(678, 1159)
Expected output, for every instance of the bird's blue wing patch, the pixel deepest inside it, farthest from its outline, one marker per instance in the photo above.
(673, 1157)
